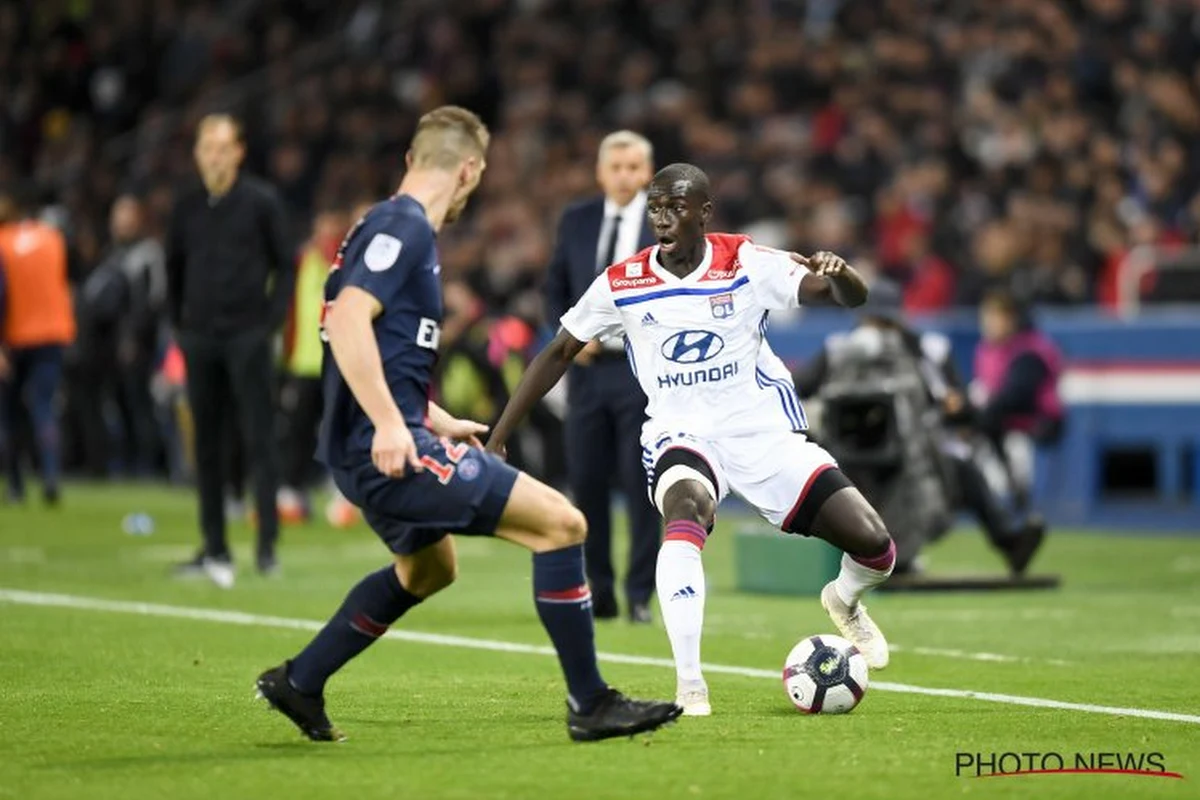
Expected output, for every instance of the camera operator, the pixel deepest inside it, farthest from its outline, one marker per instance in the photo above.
(957, 439)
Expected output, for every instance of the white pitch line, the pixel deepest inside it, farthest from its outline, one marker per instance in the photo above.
(724, 623)
(943, 652)
(19, 597)
(997, 658)
(977, 615)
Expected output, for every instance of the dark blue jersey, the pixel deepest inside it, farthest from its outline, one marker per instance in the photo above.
(391, 253)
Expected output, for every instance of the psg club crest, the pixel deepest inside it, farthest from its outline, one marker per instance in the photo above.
(468, 469)
(722, 305)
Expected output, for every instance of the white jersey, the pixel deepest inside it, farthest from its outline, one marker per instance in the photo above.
(698, 344)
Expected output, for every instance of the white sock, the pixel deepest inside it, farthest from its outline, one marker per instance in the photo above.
(859, 575)
(680, 586)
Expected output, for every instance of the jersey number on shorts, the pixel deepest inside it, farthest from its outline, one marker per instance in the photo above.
(455, 451)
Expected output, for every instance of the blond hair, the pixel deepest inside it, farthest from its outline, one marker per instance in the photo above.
(447, 136)
(621, 139)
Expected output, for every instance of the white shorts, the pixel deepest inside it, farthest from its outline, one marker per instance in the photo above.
(773, 471)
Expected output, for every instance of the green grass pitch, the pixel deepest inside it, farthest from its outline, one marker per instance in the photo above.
(103, 698)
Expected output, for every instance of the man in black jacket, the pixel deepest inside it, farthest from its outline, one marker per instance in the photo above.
(230, 273)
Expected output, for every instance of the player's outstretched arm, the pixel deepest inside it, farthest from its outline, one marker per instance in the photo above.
(544, 372)
(356, 351)
(831, 281)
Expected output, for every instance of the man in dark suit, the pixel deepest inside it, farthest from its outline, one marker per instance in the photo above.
(230, 275)
(607, 406)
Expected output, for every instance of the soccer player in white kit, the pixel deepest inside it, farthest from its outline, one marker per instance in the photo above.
(722, 413)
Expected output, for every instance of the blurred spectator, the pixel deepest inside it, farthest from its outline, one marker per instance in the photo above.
(929, 281)
(300, 394)
(1069, 124)
(37, 321)
(231, 275)
(482, 359)
(141, 259)
(1029, 146)
(1016, 385)
(121, 307)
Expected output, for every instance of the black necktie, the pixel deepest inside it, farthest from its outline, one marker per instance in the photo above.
(610, 250)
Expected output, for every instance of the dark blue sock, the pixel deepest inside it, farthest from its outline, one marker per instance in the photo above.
(375, 603)
(564, 605)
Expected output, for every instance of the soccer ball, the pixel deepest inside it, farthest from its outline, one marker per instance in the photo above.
(825, 675)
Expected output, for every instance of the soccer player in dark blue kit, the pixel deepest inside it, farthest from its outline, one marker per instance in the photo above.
(417, 472)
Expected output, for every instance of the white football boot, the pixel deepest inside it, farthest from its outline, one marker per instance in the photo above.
(854, 624)
(692, 697)
(219, 572)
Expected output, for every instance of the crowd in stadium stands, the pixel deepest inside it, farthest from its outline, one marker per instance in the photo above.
(955, 147)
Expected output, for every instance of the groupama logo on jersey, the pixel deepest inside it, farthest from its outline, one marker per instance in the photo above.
(692, 347)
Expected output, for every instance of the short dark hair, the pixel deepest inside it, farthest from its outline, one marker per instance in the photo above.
(1011, 306)
(222, 118)
(688, 173)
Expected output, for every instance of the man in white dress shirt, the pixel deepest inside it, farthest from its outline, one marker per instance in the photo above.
(606, 405)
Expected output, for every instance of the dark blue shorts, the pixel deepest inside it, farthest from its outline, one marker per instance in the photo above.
(462, 490)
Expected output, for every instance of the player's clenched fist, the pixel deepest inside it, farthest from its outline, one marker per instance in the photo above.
(393, 451)
(828, 264)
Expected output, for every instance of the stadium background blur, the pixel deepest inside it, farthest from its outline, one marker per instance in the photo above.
(955, 147)
(951, 144)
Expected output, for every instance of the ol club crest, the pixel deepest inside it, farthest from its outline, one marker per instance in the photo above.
(722, 305)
